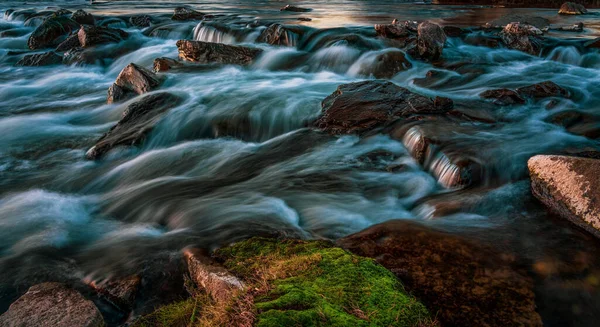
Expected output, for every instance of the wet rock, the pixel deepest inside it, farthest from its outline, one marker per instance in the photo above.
(71, 42)
(94, 35)
(138, 119)
(459, 280)
(164, 64)
(205, 52)
(61, 12)
(14, 32)
(431, 40)
(539, 22)
(482, 40)
(116, 94)
(386, 65)
(217, 281)
(78, 56)
(119, 291)
(277, 34)
(503, 97)
(453, 31)
(52, 304)
(304, 19)
(84, 18)
(137, 79)
(571, 8)
(140, 20)
(361, 106)
(294, 9)
(568, 186)
(595, 43)
(184, 13)
(522, 37)
(40, 59)
(393, 30)
(543, 90)
(52, 31)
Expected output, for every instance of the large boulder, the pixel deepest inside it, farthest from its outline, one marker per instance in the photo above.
(138, 119)
(185, 13)
(569, 186)
(361, 106)
(51, 32)
(465, 283)
(52, 305)
(571, 8)
(206, 52)
(543, 90)
(72, 41)
(522, 37)
(90, 35)
(40, 59)
(277, 34)
(430, 41)
(84, 18)
(132, 79)
(503, 97)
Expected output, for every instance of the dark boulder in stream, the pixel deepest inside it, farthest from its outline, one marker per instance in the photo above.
(543, 90)
(393, 30)
(70, 43)
(184, 13)
(40, 59)
(572, 8)
(503, 97)
(277, 34)
(362, 106)
(522, 37)
(207, 52)
(138, 119)
(132, 79)
(431, 40)
(83, 17)
(52, 31)
(94, 35)
(140, 21)
(386, 64)
(467, 284)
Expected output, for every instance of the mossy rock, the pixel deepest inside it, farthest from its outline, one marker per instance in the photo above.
(301, 283)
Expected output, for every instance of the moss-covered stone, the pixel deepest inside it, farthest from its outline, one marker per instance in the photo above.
(300, 283)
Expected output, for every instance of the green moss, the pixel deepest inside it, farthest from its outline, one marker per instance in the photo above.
(182, 314)
(314, 284)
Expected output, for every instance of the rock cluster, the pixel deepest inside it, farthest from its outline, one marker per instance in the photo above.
(522, 37)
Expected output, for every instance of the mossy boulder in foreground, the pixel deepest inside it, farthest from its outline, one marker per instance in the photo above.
(300, 283)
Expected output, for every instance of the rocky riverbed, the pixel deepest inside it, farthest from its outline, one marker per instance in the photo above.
(321, 163)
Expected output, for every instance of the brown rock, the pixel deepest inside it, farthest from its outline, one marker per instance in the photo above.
(595, 43)
(386, 65)
(119, 291)
(184, 13)
(140, 20)
(430, 41)
(392, 31)
(466, 284)
(522, 37)
(501, 22)
(134, 78)
(362, 106)
(294, 9)
(543, 90)
(164, 64)
(219, 283)
(71, 42)
(453, 31)
(571, 8)
(116, 94)
(52, 305)
(277, 34)
(94, 35)
(503, 97)
(206, 52)
(51, 32)
(40, 59)
(568, 186)
(138, 119)
(83, 18)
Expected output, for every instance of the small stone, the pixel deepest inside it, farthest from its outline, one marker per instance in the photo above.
(572, 8)
(294, 9)
(392, 31)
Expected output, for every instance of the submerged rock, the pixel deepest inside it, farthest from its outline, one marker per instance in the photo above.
(71, 42)
(571, 8)
(277, 34)
(392, 31)
(184, 13)
(453, 31)
(522, 37)
(138, 119)
(362, 106)
(94, 35)
(294, 9)
(132, 79)
(595, 43)
(52, 31)
(543, 90)
(386, 65)
(40, 59)
(430, 41)
(206, 52)
(213, 278)
(503, 97)
(537, 21)
(569, 186)
(465, 283)
(52, 305)
(83, 18)
(140, 20)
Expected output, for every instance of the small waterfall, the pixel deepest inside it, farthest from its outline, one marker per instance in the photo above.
(447, 173)
(566, 55)
(414, 141)
(208, 33)
(335, 58)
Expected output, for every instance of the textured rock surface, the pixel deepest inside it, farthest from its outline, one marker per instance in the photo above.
(40, 59)
(543, 90)
(52, 305)
(503, 97)
(362, 106)
(83, 18)
(522, 37)
(217, 281)
(184, 13)
(571, 8)
(93, 35)
(206, 52)
(277, 34)
(140, 20)
(138, 119)
(132, 79)
(430, 41)
(72, 41)
(466, 284)
(569, 186)
(386, 65)
(51, 32)
(119, 291)
(164, 64)
(392, 31)
(294, 8)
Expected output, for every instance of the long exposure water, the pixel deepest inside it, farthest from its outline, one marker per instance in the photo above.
(236, 158)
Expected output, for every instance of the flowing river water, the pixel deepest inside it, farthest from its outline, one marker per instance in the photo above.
(236, 158)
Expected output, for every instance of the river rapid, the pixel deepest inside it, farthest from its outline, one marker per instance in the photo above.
(237, 158)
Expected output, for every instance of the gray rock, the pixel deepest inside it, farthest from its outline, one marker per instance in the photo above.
(430, 41)
(571, 8)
